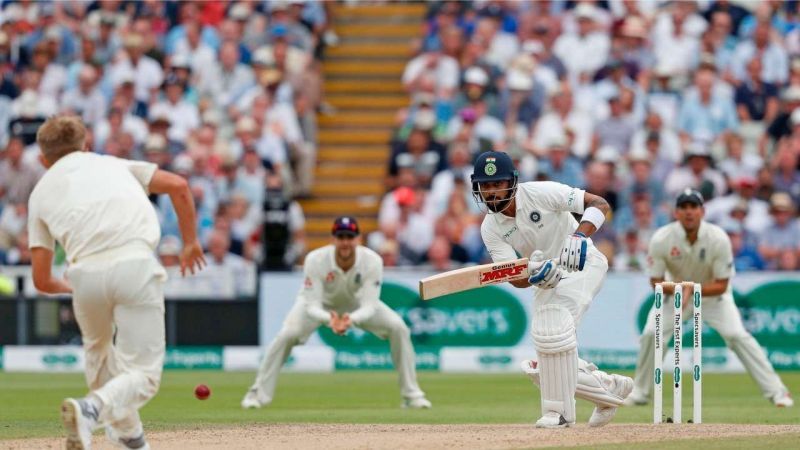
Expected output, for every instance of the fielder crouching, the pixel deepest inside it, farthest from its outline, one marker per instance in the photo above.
(341, 288)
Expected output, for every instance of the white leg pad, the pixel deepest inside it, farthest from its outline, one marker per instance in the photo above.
(593, 385)
(556, 343)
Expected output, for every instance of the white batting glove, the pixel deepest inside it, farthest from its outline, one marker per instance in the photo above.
(573, 253)
(543, 274)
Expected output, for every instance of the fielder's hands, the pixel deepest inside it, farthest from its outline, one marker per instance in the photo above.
(339, 324)
(573, 253)
(543, 274)
(192, 258)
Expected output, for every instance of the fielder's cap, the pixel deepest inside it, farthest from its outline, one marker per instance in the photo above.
(345, 226)
(493, 166)
(689, 195)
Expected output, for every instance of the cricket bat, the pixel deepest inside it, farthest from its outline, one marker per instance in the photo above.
(472, 277)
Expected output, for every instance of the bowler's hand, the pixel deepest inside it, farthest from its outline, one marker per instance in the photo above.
(192, 258)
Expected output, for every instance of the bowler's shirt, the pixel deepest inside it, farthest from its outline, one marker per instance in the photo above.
(543, 219)
(672, 257)
(326, 287)
(90, 203)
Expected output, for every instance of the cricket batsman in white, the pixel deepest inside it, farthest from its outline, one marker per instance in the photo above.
(567, 271)
(341, 288)
(691, 249)
(97, 208)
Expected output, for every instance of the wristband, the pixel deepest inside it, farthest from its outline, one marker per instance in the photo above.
(594, 216)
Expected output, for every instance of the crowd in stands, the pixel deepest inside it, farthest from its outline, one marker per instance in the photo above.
(634, 101)
(224, 94)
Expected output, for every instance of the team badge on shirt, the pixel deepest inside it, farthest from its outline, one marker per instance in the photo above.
(307, 283)
(330, 277)
(675, 252)
(535, 216)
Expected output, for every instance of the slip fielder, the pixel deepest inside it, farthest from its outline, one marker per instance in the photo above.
(341, 288)
(97, 208)
(535, 218)
(691, 249)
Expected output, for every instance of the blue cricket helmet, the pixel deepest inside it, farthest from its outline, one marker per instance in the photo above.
(494, 166)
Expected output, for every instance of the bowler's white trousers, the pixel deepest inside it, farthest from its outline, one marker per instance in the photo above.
(298, 326)
(118, 298)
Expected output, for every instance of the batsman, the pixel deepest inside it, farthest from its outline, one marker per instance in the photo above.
(566, 270)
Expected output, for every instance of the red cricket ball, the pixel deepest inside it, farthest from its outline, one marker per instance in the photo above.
(202, 392)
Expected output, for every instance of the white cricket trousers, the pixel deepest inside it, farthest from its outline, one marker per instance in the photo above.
(722, 315)
(118, 298)
(298, 326)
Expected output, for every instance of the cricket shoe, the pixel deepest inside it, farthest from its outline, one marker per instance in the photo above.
(635, 399)
(80, 419)
(783, 400)
(552, 419)
(416, 403)
(137, 442)
(252, 400)
(602, 415)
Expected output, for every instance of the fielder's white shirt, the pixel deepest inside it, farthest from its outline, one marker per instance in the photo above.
(90, 203)
(672, 257)
(542, 222)
(327, 287)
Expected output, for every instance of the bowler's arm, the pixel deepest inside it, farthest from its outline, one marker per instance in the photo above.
(589, 201)
(177, 188)
(43, 279)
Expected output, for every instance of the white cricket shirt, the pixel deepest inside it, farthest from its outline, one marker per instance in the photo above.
(672, 257)
(91, 203)
(542, 222)
(327, 287)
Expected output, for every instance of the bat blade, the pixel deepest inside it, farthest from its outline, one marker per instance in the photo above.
(472, 277)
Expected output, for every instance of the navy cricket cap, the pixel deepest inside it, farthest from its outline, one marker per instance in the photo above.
(345, 225)
(689, 195)
(493, 166)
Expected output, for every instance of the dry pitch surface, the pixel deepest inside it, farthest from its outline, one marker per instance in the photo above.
(349, 436)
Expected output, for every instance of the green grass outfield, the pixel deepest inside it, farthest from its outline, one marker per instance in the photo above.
(30, 402)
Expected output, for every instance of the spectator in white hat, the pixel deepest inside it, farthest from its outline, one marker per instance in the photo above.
(584, 52)
(148, 74)
(443, 69)
(184, 116)
(697, 174)
(476, 85)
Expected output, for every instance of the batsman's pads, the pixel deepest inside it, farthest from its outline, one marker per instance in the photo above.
(543, 274)
(573, 253)
(591, 384)
(556, 343)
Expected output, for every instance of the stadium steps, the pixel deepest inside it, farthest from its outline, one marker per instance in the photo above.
(362, 83)
(348, 119)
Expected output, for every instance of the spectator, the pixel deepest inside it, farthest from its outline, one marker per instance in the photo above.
(633, 255)
(617, 130)
(184, 115)
(148, 74)
(584, 52)
(783, 235)
(420, 153)
(85, 99)
(439, 255)
(282, 227)
(756, 100)
(745, 257)
(439, 67)
(554, 125)
(169, 251)
(774, 60)
(669, 144)
(697, 173)
(738, 163)
(707, 114)
(642, 181)
(786, 176)
(560, 166)
(219, 258)
(756, 218)
(222, 83)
